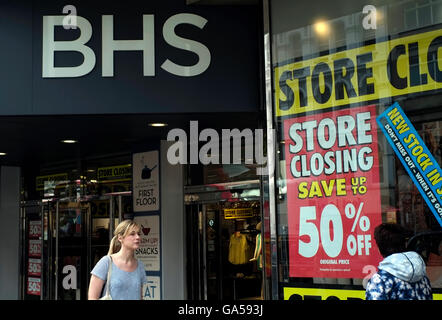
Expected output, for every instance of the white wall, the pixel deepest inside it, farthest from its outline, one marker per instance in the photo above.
(9, 233)
(172, 228)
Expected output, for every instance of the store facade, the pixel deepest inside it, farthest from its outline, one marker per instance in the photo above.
(335, 93)
(103, 109)
(352, 86)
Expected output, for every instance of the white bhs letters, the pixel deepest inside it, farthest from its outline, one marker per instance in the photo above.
(109, 46)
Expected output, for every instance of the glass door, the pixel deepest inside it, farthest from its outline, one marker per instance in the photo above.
(221, 238)
(62, 240)
(85, 229)
(213, 251)
(101, 224)
(196, 263)
(106, 212)
(32, 279)
(71, 249)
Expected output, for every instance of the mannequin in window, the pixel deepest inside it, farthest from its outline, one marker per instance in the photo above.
(258, 248)
(238, 250)
(238, 247)
(258, 254)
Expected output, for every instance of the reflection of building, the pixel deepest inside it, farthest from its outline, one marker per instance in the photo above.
(345, 31)
(340, 32)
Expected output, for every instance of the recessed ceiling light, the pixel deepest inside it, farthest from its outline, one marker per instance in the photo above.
(69, 141)
(3, 153)
(157, 124)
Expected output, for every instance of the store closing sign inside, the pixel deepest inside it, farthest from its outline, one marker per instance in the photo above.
(340, 134)
(385, 69)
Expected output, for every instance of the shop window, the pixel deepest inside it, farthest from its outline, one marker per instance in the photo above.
(423, 13)
(318, 209)
(295, 45)
(95, 177)
(339, 34)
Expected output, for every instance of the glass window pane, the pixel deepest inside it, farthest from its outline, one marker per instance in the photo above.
(424, 16)
(337, 175)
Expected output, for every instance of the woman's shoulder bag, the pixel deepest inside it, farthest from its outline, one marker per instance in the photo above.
(107, 296)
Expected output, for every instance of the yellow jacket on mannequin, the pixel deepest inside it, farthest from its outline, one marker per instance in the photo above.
(238, 248)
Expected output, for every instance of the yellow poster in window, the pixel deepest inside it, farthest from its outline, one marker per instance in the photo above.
(329, 294)
(385, 69)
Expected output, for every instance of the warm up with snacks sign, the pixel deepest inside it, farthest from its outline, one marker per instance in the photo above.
(332, 193)
(415, 156)
(146, 188)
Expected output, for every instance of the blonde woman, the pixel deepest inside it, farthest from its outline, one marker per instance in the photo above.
(128, 275)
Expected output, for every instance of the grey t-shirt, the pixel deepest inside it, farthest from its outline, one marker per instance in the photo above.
(124, 285)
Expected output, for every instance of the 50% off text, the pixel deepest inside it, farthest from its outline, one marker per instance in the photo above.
(331, 231)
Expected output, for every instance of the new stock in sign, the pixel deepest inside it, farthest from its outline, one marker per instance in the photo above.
(333, 193)
(415, 156)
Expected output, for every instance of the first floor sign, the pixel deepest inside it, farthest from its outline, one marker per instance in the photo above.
(146, 181)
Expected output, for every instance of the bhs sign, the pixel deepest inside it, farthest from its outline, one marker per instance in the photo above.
(110, 45)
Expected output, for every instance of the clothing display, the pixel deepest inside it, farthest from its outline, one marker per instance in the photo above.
(238, 249)
(258, 252)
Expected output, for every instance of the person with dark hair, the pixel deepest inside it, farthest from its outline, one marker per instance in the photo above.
(402, 274)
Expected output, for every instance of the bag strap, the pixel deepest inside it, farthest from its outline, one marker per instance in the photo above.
(109, 274)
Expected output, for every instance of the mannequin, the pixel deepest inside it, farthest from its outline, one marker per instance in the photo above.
(238, 247)
(258, 248)
(258, 254)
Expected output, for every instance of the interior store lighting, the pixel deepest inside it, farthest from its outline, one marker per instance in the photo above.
(321, 28)
(157, 124)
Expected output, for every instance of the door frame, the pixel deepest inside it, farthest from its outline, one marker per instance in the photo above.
(197, 198)
(50, 275)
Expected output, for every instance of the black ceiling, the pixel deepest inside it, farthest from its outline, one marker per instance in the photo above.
(35, 140)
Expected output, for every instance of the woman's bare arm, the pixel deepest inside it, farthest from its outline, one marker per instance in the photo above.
(95, 288)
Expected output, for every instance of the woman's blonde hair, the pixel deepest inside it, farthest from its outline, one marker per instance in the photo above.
(122, 229)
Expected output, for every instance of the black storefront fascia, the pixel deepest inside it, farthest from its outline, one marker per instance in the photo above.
(32, 102)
